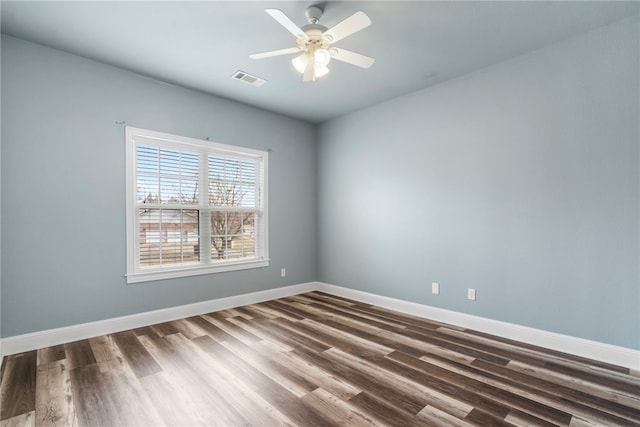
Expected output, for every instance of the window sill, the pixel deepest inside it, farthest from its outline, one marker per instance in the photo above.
(161, 274)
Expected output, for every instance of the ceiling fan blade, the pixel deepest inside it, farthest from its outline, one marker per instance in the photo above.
(274, 53)
(352, 57)
(284, 20)
(352, 24)
(310, 71)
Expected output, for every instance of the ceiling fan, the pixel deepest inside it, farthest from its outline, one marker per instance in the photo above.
(315, 42)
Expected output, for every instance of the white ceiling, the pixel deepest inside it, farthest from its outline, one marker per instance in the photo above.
(199, 45)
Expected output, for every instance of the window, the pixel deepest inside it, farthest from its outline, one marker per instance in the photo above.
(193, 206)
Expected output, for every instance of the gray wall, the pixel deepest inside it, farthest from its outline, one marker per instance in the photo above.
(520, 180)
(63, 188)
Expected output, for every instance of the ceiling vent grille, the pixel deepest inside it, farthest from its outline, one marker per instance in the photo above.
(248, 79)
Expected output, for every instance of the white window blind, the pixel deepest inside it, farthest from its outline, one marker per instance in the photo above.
(193, 206)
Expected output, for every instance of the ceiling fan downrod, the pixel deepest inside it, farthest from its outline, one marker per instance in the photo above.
(313, 14)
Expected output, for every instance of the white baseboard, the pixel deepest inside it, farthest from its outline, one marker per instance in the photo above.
(607, 353)
(591, 349)
(41, 339)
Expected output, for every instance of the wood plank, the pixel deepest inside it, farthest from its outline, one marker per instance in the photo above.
(171, 403)
(256, 310)
(297, 410)
(54, 397)
(93, 402)
(358, 313)
(523, 419)
(23, 420)
(293, 382)
(235, 331)
(318, 376)
(128, 394)
(334, 337)
(164, 329)
(277, 329)
(136, 355)
(243, 370)
(3, 365)
(239, 395)
(79, 354)
(187, 328)
(482, 418)
(380, 410)
(341, 410)
(104, 349)
(18, 385)
(51, 354)
(201, 388)
(431, 415)
(175, 388)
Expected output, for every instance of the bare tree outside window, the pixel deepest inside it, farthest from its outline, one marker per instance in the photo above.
(231, 184)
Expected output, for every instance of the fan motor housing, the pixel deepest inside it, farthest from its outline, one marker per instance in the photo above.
(313, 37)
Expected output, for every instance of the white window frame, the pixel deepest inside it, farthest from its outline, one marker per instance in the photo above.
(135, 272)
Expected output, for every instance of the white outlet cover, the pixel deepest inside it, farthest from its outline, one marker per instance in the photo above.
(471, 294)
(435, 288)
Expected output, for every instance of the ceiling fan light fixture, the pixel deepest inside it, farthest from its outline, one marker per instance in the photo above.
(321, 71)
(321, 57)
(300, 62)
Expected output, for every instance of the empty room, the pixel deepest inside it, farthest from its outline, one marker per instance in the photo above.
(296, 213)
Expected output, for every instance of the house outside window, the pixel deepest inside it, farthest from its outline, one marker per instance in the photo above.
(193, 206)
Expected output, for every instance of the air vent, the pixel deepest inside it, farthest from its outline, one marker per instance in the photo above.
(248, 79)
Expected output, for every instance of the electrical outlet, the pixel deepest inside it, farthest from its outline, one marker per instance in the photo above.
(435, 288)
(283, 272)
(471, 294)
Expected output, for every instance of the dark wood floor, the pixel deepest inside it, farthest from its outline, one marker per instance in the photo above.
(311, 360)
